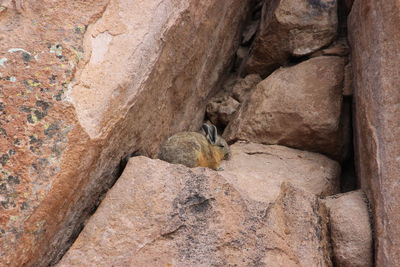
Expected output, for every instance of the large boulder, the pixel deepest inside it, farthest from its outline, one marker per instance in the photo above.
(291, 28)
(350, 229)
(82, 85)
(254, 167)
(159, 214)
(298, 106)
(375, 42)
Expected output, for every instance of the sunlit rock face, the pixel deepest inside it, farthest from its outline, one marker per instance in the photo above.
(83, 84)
(170, 215)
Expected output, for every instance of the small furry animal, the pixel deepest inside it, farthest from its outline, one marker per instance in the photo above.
(192, 149)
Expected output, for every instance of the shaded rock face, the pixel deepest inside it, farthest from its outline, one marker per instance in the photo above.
(348, 80)
(350, 229)
(243, 87)
(222, 108)
(339, 48)
(83, 84)
(375, 60)
(290, 28)
(298, 106)
(174, 216)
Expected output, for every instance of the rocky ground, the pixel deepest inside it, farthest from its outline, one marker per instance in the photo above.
(87, 100)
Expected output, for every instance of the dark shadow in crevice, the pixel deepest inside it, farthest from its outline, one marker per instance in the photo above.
(348, 177)
(74, 229)
(294, 60)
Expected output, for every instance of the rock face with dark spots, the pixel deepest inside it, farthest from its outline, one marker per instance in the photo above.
(290, 28)
(350, 229)
(82, 85)
(159, 214)
(375, 41)
(298, 106)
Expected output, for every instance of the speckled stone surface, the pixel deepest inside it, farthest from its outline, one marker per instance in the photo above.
(161, 214)
(83, 84)
(39, 52)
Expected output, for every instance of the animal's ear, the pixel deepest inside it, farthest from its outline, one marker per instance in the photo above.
(205, 129)
(210, 132)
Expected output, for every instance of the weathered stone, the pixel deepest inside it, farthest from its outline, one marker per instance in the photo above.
(350, 229)
(338, 48)
(220, 110)
(255, 167)
(375, 47)
(296, 216)
(159, 214)
(290, 28)
(244, 86)
(298, 106)
(83, 84)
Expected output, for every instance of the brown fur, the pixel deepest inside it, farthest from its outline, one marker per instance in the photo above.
(192, 149)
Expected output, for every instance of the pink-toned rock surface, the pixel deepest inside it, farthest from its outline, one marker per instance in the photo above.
(83, 84)
(255, 167)
(298, 106)
(243, 87)
(375, 41)
(159, 214)
(290, 28)
(350, 229)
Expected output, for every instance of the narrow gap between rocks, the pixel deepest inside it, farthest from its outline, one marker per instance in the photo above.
(348, 178)
(89, 211)
(226, 101)
(252, 20)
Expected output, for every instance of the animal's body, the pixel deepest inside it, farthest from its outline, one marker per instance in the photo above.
(194, 149)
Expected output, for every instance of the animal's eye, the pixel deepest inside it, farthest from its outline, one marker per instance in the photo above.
(221, 145)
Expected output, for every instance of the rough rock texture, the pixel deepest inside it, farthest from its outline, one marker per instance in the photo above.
(222, 108)
(244, 86)
(84, 83)
(298, 106)
(291, 28)
(375, 47)
(338, 48)
(158, 214)
(350, 229)
(255, 167)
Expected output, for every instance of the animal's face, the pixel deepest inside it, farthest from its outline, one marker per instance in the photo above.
(223, 145)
